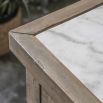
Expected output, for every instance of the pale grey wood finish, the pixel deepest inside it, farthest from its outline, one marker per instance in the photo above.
(33, 89)
(58, 17)
(48, 72)
(55, 78)
(46, 98)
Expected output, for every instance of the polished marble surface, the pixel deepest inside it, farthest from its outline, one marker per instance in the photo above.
(78, 44)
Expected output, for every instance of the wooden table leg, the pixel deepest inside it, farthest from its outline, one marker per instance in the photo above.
(33, 89)
(46, 98)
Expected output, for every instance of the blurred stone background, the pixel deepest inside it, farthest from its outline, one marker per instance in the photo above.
(12, 72)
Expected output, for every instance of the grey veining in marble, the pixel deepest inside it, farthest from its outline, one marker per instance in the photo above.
(78, 44)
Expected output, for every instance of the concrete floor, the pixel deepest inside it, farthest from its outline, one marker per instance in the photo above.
(12, 80)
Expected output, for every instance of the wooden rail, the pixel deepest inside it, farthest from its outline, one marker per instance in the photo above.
(48, 80)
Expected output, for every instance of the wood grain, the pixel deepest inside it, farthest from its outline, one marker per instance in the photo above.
(33, 89)
(59, 82)
(55, 82)
(46, 98)
(58, 17)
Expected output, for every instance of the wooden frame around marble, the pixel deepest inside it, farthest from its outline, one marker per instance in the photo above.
(48, 80)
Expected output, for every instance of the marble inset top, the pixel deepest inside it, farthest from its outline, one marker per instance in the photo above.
(78, 44)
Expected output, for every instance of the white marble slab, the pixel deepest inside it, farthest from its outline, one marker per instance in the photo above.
(78, 44)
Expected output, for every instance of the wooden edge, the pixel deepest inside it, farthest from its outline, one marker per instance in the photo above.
(32, 89)
(59, 82)
(57, 17)
(40, 76)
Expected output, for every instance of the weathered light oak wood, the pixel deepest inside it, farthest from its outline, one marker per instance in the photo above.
(33, 89)
(46, 98)
(58, 17)
(52, 88)
(48, 80)
(59, 82)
